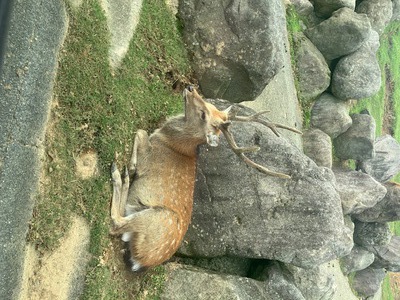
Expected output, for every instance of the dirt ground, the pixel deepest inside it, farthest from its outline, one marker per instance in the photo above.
(51, 276)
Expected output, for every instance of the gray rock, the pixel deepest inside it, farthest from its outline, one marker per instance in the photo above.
(197, 284)
(303, 7)
(358, 191)
(314, 283)
(396, 10)
(227, 265)
(358, 259)
(358, 75)
(386, 210)
(379, 13)
(194, 283)
(280, 286)
(330, 115)
(317, 145)
(388, 256)
(325, 8)
(241, 212)
(371, 235)
(358, 141)
(313, 72)
(386, 162)
(368, 281)
(346, 30)
(236, 46)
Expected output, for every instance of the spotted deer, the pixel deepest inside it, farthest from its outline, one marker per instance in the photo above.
(154, 211)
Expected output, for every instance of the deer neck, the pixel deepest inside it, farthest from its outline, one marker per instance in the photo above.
(179, 137)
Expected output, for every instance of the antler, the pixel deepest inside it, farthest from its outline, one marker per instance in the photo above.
(240, 151)
(232, 116)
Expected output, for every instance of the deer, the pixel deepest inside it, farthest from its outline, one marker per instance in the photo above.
(153, 212)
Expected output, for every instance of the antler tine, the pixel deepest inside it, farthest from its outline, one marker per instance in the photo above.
(254, 118)
(239, 151)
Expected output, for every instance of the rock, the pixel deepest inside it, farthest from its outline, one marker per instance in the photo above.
(313, 72)
(303, 7)
(346, 30)
(194, 283)
(370, 235)
(325, 8)
(240, 212)
(386, 162)
(368, 281)
(236, 47)
(357, 260)
(358, 141)
(379, 13)
(358, 191)
(386, 210)
(227, 265)
(388, 256)
(358, 75)
(278, 280)
(396, 10)
(315, 283)
(330, 115)
(317, 145)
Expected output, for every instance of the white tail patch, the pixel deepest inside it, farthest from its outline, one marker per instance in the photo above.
(126, 236)
(135, 265)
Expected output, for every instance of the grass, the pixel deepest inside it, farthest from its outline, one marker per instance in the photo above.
(294, 27)
(95, 109)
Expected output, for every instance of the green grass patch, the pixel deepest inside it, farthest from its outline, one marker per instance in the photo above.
(98, 110)
(294, 27)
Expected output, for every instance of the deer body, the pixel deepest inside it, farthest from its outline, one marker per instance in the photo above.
(154, 212)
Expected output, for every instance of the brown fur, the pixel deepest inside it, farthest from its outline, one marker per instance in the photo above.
(157, 208)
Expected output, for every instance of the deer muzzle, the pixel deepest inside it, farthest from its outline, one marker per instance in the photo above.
(212, 139)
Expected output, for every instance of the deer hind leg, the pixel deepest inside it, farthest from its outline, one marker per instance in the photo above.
(141, 145)
(156, 234)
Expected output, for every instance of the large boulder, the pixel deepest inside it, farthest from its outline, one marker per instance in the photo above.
(317, 145)
(236, 46)
(386, 210)
(368, 281)
(379, 13)
(371, 235)
(358, 74)
(313, 72)
(239, 211)
(388, 256)
(315, 283)
(386, 162)
(325, 8)
(343, 33)
(194, 283)
(330, 115)
(358, 259)
(358, 191)
(358, 141)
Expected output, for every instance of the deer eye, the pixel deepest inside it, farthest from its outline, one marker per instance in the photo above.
(203, 115)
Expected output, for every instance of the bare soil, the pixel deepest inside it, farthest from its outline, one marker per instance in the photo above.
(394, 281)
(51, 276)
